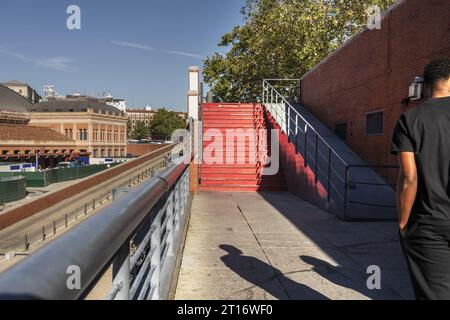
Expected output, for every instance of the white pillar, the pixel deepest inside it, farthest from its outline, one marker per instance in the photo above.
(193, 93)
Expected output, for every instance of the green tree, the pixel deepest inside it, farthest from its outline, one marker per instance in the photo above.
(140, 131)
(281, 39)
(129, 130)
(164, 123)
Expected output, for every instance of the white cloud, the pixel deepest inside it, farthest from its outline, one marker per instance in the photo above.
(144, 47)
(132, 45)
(55, 63)
(186, 54)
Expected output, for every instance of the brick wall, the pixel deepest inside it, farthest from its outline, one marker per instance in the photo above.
(373, 71)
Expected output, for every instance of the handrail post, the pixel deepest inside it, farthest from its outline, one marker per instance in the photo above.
(347, 177)
(329, 176)
(169, 226)
(306, 147)
(316, 164)
(289, 124)
(121, 272)
(155, 247)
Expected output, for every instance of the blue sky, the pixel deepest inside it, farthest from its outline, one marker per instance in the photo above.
(139, 50)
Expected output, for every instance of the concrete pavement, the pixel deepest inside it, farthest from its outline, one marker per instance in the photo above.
(273, 245)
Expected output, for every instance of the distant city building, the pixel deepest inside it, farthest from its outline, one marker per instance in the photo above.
(138, 115)
(21, 142)
(120, 104)
(97, 128)
(51, 95)
(24, 90)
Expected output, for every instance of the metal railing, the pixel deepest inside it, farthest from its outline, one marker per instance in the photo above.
(369, 186)
(329, 168)
(24, 242)
(325, 162)
(135, 239)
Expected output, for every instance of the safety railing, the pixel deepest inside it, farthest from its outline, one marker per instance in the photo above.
(24, 243)
(371, 188)
(135, 239)
(329, 168)
(327, 165)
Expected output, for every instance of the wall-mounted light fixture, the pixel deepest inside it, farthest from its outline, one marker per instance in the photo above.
(416, 89)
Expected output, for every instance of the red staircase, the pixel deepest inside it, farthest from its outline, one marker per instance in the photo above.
(245, 172)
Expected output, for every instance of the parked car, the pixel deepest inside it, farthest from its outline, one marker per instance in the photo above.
(68, 165)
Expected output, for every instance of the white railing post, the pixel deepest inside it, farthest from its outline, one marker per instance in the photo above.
(155, 248)
(169, 226)
(121, 273)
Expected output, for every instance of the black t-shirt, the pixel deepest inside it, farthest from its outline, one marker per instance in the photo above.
(425, 130)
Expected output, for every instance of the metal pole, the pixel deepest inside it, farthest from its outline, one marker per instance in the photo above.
(347, 177)
(329, 176)
(306, 148)
(27, 244)
(289, 124)
(169, 226)
(121, 272)
(155, 244)
(316, 165)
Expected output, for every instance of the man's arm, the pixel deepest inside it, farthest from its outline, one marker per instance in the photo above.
(407, 187)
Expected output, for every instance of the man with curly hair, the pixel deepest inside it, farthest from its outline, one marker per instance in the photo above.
(422, 142)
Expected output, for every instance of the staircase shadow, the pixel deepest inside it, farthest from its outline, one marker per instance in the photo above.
(266, 277)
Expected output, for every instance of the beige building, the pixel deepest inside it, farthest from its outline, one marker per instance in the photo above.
(97, 128)
(24, 90)
(21, 142)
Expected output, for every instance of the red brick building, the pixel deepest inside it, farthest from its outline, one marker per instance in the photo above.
(357, 91)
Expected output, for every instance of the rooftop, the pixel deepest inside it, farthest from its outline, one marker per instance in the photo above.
(15, 83)
(73, 106)
(30, 133)
(13, 102)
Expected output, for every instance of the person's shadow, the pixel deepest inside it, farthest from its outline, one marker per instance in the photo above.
(337, 275)
(265, 276)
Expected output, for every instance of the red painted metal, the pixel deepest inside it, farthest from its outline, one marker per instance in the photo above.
(237, 176)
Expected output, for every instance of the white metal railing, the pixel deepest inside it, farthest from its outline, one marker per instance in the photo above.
(328, 166)
(326, 161)
(137, 237)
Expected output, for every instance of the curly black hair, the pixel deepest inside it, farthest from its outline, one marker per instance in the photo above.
(438, 69)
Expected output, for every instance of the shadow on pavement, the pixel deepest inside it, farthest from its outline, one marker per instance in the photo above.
(274, 283)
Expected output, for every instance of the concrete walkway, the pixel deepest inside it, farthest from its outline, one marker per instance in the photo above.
(275, 246)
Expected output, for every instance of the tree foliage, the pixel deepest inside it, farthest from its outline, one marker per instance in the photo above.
(164, 123)
(281, 39)
(140, 131)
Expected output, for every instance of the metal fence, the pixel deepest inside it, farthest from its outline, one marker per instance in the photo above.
(136, 238)
(329, 168)
(44, 179)
(12, 189)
